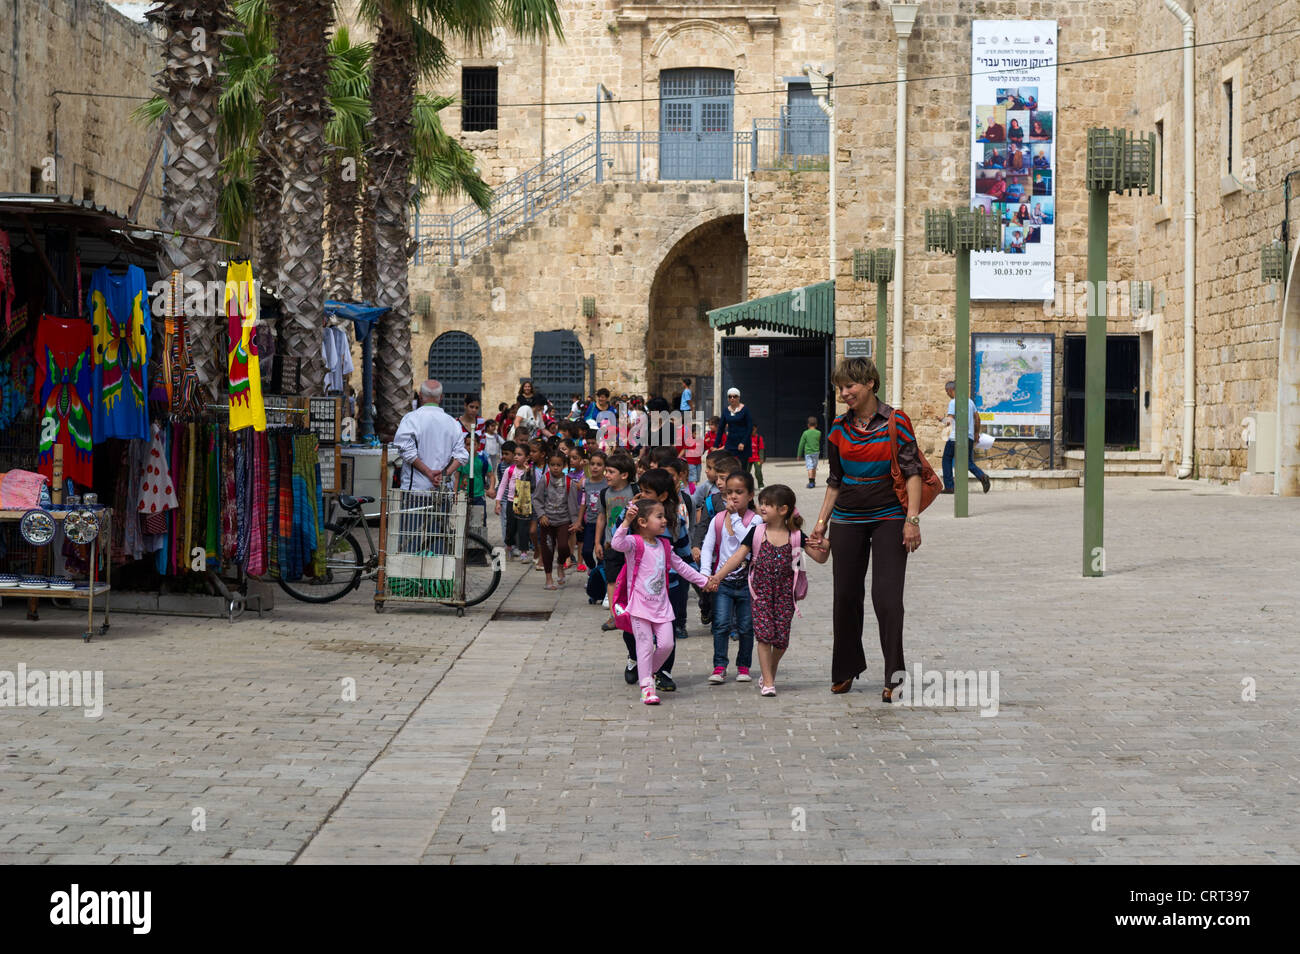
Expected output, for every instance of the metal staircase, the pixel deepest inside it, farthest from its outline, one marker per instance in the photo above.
(620, 156)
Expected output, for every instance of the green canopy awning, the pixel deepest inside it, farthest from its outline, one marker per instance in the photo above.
(803, 312)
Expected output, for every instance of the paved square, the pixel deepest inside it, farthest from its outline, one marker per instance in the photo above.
(481, 741)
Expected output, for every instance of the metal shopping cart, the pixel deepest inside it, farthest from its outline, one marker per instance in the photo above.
(427, 554)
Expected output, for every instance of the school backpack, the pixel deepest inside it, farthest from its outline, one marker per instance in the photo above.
(523, 503)
(623, 585)
(796, 556)
(745, 521)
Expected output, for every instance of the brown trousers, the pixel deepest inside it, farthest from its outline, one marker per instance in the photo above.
(554, 542)
(853, 547)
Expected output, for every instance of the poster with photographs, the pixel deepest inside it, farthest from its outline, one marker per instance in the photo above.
(1013, 156)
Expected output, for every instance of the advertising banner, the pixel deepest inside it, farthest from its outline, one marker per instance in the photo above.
(1013, 156)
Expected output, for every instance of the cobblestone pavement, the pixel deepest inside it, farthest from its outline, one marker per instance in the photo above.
(481, 741)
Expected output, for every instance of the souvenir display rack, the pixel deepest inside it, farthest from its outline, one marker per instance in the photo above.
(95, 587)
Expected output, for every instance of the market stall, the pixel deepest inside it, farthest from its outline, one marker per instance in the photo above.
(189, 494)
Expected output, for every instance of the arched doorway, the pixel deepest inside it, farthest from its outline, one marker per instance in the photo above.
(456, 361)
(705, 269)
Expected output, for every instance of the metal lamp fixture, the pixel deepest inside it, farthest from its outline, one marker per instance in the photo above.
(938, 231)
(863, 267)
(1118, 161)
(1272, 262)
(882, 270)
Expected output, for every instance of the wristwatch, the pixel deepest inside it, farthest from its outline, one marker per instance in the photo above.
(914, 521)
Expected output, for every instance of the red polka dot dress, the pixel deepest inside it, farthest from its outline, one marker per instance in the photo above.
(156, 491)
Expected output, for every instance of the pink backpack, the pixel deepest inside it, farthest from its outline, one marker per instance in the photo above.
(745, 520)
(623, 585)
(796, 554)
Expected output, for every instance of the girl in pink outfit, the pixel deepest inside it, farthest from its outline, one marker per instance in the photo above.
(648, 560)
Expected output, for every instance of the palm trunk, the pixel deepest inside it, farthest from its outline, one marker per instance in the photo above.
(344, 198)
(297, 121)
(267, 189)
(392, 95)
(368, 275)
(190, 82)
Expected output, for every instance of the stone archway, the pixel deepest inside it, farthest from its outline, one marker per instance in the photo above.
(1288, 398)
(704, 269)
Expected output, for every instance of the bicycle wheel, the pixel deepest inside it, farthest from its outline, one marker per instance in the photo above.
(343, 566)
(482, 569)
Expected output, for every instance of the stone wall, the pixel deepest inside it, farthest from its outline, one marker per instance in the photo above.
(1238, 317)
(81, 46)
(938, 147)
(548, 92)
(610, 242)
(788, 237)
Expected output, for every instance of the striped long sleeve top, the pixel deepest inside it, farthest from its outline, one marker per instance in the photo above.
(859, 459)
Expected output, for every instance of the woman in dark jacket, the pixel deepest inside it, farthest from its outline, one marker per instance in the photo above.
(736, 428)
(867, 523)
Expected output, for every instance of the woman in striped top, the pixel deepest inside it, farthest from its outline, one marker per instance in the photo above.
(869, 522)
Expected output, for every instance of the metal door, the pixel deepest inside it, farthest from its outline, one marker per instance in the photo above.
(558, 368)
(804, 127)
(781, 390)
(456, 362)
(695, 124)
(1122, 379)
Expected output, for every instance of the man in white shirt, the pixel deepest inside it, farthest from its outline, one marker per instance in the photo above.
(430, 441)
(950, 448)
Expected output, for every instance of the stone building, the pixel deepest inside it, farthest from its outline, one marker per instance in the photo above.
(616, 246)
(627, 262)
(74, 142)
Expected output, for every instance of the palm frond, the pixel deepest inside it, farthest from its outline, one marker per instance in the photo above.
(150, 111)
(441, 165)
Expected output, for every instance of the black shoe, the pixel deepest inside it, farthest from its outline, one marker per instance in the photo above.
(948, 490)
(812, 483)
(629, 672)
(706, 619)
(984, 480)
(664, 682)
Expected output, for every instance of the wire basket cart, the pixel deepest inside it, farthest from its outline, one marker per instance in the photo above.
(427, 555)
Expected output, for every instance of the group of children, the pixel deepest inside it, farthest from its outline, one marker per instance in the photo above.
(565, 505)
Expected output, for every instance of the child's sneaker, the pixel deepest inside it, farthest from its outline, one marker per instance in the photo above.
(742, 674)
(582, 568)
(525, 557)
(718, 675)
(629, 672)
(648, 695)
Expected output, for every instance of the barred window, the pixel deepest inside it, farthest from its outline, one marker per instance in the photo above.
(478, 86)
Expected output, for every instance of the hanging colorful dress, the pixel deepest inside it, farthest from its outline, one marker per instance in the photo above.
(63, 389)
(119, 309)
(243, 365)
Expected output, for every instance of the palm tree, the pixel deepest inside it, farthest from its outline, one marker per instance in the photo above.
(297, 120)
(189, 86)
(409, 44)
(349, 96)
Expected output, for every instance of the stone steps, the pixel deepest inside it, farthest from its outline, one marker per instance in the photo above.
(1031, 479)
(1124, 463)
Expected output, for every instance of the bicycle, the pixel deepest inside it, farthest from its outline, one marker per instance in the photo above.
(346, 565)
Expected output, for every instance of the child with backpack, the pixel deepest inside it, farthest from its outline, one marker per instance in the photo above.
(558, 507)
(731, 600)
(515, 491)
(619, 490)
(774, 547)
(649, 560)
